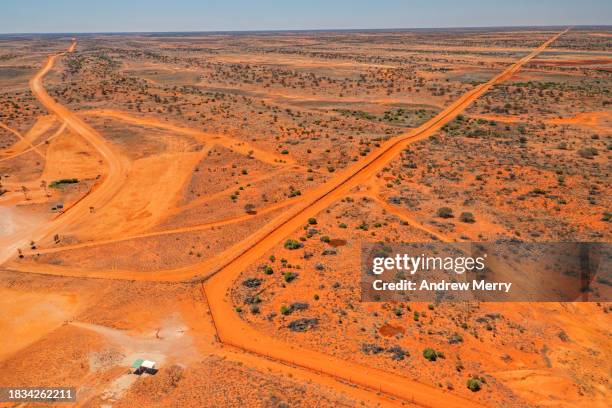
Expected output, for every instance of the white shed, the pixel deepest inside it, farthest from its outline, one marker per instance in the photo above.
(148, 364)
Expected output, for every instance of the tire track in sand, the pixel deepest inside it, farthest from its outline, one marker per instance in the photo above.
(21, 139)
(235, 145)
(36, 146)
(179, 230)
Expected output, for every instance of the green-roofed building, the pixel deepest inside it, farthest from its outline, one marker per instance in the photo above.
(136, 364)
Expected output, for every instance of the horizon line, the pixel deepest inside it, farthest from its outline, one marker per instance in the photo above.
(304, 30)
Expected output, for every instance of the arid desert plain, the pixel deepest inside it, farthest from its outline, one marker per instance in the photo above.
(201, 199)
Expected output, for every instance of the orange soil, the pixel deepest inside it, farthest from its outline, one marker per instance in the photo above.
(568, 62)
(40, 127)
(499, 118)
(21, 312)
(23, 140)
(69, 155)
(590, 119)
(151, 188)
(36, 146)
(403, 214)
(209, 225)
(199, 201)
(318, 199)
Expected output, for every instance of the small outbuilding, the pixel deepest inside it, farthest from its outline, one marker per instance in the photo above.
(141, 366)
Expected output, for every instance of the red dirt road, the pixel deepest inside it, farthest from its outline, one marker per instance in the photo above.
(234, 331)
(117, 170)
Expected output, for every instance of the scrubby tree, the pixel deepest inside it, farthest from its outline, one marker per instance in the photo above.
(467, 217)
(445, 212)
(249, 208)
(474, 384)
(432, 355)
(292, 244)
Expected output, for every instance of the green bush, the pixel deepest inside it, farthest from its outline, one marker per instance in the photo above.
(249, 208)
(431, 354)
(445, 212)
(290, 276)
(292, 244)
(474, 384)
(62, 182)
(467, 217)
(588, 152)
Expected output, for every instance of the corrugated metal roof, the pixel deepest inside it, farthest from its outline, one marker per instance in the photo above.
(137, 363)
(148, 364)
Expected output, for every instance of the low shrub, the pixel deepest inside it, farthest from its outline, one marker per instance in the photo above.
(445, 212)
(292, 244)
(467, 217)
(290, 276)
(474, 384)
(62, 182)
(431, 354)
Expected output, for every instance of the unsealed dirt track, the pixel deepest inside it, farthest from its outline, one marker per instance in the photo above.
(117, 168)
(36, 146)
(22, 139)
(234, 331)
(232, 144)
(199, 227)
(400, 213)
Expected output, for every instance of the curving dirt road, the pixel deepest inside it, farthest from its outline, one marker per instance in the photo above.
(234, 331)
(237, 146)
(117, 170)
